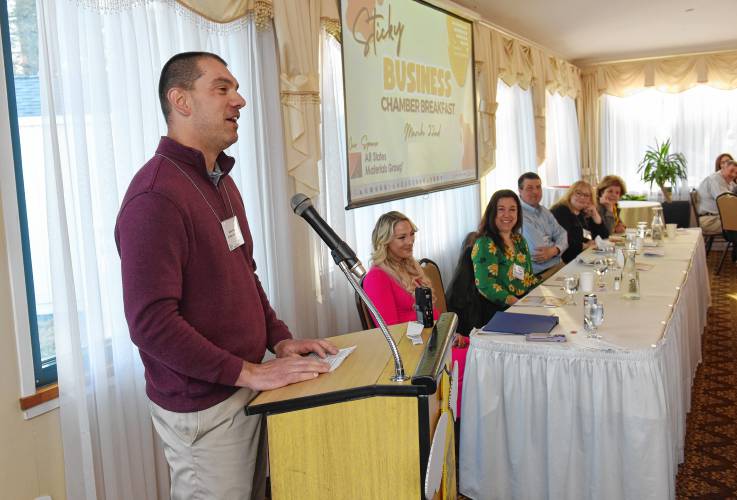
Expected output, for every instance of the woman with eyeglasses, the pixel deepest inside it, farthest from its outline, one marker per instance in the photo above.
(577, 213)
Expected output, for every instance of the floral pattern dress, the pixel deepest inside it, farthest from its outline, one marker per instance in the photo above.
(493, 268)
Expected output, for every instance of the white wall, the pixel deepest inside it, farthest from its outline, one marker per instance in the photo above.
(31, 458)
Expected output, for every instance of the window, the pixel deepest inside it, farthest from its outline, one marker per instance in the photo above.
(515, 139)
(701, 123)
(562, 165)
(20, 57)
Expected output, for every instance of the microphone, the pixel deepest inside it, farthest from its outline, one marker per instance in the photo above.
(339, 249)
(347, 261)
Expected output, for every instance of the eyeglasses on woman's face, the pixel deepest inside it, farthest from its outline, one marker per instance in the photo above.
(582, 194)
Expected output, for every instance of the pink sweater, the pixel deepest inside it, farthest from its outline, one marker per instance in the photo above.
(395, 304)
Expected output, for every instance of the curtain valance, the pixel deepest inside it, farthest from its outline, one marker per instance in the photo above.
(668, 74)
(226, 11)
(216, 12)
(516, 63)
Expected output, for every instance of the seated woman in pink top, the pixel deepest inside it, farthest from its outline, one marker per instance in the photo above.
(394, 273)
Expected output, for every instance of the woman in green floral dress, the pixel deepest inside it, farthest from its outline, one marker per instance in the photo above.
(501, 260)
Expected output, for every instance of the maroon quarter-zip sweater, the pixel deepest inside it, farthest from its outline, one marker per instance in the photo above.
(194, 308)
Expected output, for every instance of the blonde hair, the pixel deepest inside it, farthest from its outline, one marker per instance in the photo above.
(565, 200)
(408, 272)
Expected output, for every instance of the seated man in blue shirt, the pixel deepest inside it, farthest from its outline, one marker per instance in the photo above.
(546, 238)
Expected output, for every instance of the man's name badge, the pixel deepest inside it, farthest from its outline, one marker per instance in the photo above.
(232, 231)
(518, 272)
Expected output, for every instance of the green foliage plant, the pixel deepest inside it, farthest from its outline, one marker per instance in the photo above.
(662, 167)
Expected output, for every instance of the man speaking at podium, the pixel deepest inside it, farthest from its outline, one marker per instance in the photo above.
(194, 305)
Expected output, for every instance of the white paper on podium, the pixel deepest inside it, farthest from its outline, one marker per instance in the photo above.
(414, 332)
(334, 360)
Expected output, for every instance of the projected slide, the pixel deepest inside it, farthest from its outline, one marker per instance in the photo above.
(409, 93)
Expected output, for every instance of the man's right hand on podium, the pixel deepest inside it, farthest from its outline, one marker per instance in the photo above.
(279, 372)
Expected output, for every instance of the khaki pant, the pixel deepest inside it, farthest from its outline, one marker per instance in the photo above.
(710, 224)
(213, 454)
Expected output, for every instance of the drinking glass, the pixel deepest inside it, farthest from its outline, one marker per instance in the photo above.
(570, 285)
(600, 266)
(641, 229)
(593, 319)
(611, 262)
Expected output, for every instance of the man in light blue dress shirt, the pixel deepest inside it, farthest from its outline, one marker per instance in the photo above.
(546, 239)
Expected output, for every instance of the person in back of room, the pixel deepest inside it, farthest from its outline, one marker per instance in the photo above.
(721, 161)
(610, 189)
(394, 273)
(721, 181)
(546, 239)
(577, 213)
(502, 264)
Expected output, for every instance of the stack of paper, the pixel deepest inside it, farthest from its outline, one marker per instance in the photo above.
(545, 337)
(539, 301)
(414, 332)
(334, 360)
(654, 252)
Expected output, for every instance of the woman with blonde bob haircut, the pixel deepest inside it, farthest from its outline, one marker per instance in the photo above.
(394, 273)
(577, 213)
(610, 189)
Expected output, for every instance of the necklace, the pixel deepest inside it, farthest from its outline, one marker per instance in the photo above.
(232, 213)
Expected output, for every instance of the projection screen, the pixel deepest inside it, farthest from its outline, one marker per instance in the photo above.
(409, 99)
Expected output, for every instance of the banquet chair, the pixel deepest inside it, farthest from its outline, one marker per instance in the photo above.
(364, 315)
(709, 237)
(433, 274)
(727, 206)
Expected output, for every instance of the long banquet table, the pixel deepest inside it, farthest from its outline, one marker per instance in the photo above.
(590, 419)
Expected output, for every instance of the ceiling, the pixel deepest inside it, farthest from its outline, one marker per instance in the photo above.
(585, 31)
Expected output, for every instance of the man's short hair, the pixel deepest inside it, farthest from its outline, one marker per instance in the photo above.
(527, 175)
(181, 71)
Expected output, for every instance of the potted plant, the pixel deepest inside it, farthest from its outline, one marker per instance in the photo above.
(662, 167)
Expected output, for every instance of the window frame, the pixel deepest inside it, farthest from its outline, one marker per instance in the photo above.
(33, 373)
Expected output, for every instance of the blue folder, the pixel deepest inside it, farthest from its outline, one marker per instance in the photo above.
(520, 323)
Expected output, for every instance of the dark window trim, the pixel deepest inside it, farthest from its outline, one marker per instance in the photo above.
(44, 373)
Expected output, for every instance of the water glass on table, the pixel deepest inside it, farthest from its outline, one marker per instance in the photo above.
(600, 267)
(570, 286)
(642, 229)
(593, 317)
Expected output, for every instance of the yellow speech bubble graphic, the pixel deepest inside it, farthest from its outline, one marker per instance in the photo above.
(459, 48)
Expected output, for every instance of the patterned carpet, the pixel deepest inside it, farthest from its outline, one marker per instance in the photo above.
(710, 466)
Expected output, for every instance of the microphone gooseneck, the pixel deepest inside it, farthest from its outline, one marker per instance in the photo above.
(347, 261)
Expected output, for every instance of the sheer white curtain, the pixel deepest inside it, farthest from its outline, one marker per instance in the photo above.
(102, 122)
(562, 165)
(515, 139)
(443, 218)
(701, 123)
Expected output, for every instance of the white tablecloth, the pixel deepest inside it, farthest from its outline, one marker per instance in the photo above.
(575, 421)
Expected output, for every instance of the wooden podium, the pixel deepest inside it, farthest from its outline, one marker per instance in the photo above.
(354, 433)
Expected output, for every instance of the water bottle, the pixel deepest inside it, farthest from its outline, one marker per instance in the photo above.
(630, 277)
(658, 226)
